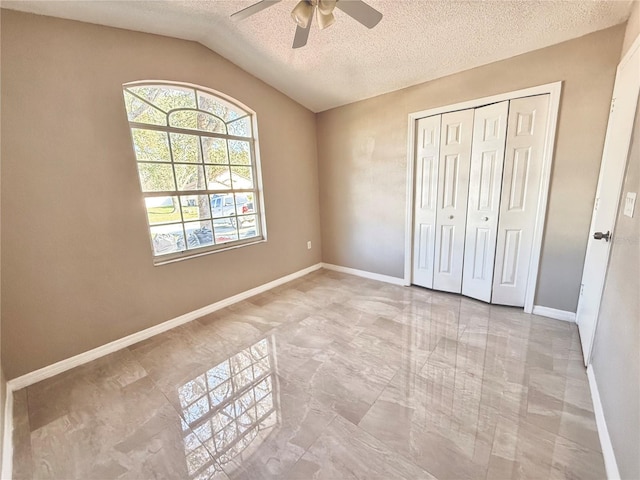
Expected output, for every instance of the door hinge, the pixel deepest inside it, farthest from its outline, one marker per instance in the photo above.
(613, 104)
(595, 207)
(581, 289)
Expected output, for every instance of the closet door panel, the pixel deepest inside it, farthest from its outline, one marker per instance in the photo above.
(526, 133)
(453, 186)
(426, 187)
(485, 184)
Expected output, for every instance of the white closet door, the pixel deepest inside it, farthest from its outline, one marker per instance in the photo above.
(526, 134)
(453, 189)
(424, 220)
(485, 183)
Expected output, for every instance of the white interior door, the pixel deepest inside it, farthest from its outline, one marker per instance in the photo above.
(526, 133)
(614, 159)
(453, 188)
(426, 199)
(485, 183)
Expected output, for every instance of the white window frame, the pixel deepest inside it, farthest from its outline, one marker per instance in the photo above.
(255, 166)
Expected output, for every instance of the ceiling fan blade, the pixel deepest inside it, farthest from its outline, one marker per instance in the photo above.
(302, 13)
(360, 11)
(255, 8)
(302, 34)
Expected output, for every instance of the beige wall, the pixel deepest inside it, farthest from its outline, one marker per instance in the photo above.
(362, 151)
(76, 262)
(616, 351)
(633, 28)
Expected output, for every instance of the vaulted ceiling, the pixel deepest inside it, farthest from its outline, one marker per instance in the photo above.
(416, 41)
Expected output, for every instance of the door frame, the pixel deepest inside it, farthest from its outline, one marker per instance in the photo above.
(554, 91)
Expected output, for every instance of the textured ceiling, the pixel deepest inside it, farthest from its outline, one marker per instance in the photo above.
(416, 41)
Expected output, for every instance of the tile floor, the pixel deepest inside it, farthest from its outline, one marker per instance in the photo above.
(329, 377)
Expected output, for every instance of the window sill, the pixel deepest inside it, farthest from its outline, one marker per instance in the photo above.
(188, 255)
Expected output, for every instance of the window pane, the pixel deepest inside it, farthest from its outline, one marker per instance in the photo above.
(139, 111)
(218, 107)
(197, 121)
(244, 203)
(218, 178)
(224, 231)
(167, 97)
(195, 207)
(242, 177)
(190, 177)
(247, 226)
(209, 123)
(222, 205)
(150, 146)
(199, 234)
(240, 127)
(185, 148)
(246, 221)
(156, 177)
(162, 210)
(239, 152)
(215, 150)
(167, 239)
(184, 119)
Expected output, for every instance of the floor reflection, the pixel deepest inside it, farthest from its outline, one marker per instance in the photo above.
(231, 408)
(371, 380)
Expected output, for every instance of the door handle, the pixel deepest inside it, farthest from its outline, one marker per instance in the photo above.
(450, 217)
(600, 236)
(485, 219)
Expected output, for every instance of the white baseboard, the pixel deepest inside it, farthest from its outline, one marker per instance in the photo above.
(365, 274)
(85, 357)
(610, 464)
(7, 435)
(553, 313)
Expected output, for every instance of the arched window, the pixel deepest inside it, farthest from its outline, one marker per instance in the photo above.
(197, 163)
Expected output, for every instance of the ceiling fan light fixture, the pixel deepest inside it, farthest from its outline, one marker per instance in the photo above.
(326, 6)
(302, 13)
(325, 20)
(304, 10)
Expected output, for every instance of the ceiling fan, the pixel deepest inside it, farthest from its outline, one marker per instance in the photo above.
(303, 14)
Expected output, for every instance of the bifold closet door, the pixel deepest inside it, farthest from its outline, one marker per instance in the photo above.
(485, 183)
(453, 188)
(425, 199)
(526, 133)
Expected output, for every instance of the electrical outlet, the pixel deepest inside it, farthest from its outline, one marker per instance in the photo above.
(629, 204)
(309, 245)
